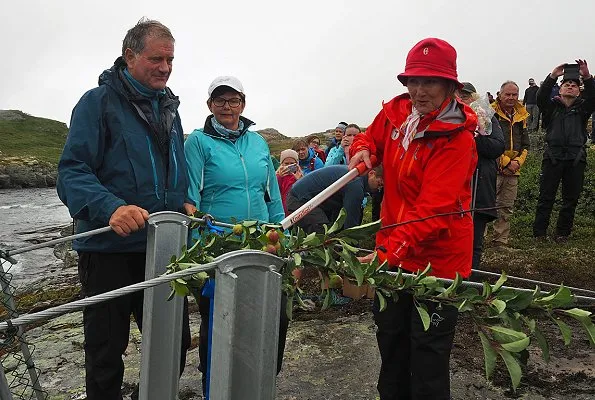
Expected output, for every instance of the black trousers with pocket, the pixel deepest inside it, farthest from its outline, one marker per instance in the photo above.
(107, 324)
(572, 176)
(415, 363)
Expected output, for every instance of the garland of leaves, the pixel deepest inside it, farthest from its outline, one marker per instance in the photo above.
(506, 320)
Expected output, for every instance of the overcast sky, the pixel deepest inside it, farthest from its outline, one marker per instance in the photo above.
(305, 65)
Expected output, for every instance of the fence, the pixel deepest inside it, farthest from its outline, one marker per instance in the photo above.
(248, 284)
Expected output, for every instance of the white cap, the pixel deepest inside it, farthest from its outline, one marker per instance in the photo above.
(230, 81)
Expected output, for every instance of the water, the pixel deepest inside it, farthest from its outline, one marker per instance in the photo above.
(29, 216)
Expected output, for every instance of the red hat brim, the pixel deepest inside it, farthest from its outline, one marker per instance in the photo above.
(426, 72)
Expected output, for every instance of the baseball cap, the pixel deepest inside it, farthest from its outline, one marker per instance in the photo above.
(230, 81)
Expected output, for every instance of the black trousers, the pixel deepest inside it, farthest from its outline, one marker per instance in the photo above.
(572, 177)
(107, 324)
(204, 306)
(479, 225)
(376, 203)
(311, 222)
(415, 363)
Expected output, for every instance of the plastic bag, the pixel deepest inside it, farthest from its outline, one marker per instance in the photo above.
(484, 112)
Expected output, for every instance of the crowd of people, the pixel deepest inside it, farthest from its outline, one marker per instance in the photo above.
(441, 151)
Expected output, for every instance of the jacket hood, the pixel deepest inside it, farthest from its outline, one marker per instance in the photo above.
(452, 116)
(311, 155)
(520, 112)
(110, 76)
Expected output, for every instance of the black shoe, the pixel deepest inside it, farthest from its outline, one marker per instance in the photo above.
(561, 239)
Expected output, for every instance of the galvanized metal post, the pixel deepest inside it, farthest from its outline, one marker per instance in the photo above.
(245, 326)
(162, 319)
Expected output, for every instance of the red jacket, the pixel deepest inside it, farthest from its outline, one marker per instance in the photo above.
(285, 183)
(433, 176)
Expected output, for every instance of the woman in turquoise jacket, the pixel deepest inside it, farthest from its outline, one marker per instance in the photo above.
(231, 176)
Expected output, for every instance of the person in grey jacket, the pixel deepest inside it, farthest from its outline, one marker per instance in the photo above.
(489, 148)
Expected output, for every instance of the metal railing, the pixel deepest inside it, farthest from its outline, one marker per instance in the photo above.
(246, 310)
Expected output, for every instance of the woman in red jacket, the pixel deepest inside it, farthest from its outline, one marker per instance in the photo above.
(424, 139)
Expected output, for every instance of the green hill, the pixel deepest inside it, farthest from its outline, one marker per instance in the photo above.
(22, 135)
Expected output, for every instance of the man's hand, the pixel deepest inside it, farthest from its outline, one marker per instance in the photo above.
(362, 155)
(189, 209)
(558, 71)
(583, 68)
(512, 168)
(128, 219)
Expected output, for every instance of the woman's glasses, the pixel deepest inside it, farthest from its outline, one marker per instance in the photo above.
(233, 103)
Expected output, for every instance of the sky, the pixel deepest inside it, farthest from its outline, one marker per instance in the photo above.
(305, 65)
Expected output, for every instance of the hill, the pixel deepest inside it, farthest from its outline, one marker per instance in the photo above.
(23, 135)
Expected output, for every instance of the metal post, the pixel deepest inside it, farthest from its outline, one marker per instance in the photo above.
(12, 312)
(162, 319)
(245, 326)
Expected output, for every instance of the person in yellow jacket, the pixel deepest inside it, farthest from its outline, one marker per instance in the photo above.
(512, 116)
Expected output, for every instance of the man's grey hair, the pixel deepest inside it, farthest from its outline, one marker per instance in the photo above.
(509, 83)
(136, 36)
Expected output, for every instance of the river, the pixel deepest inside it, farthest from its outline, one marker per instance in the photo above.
(29, 216)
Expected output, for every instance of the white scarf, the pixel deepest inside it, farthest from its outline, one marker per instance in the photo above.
(409, 127)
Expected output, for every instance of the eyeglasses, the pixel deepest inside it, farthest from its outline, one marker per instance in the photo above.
(233, 102)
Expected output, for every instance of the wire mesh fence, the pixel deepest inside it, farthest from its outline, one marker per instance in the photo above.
(16, 353)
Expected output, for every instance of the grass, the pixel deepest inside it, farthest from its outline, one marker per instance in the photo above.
(40, 138)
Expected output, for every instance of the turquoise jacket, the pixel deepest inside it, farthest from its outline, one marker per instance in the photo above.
(336, 156)
(232, 179)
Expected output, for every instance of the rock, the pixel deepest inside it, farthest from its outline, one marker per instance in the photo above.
(5, 181)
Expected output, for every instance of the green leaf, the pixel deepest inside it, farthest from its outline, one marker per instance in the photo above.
(465, 305)
(381, 300)
(500, 282)
(514, 369)
(338, 224)
(543, 344)
(578, 314)
(517, 346)
(327, 299)
(289, 307)
(453, 286)
(562, 297)
(499, 305)
(298, 259)
(423, 314)
(311, 240)
(590, 328)
(520, 302)
(349, 247)
(489, 355)
(364, 231)
(565, 330)
(248, 224)
(356, 268)
(173, 259)
(506, 335)
(487, 290)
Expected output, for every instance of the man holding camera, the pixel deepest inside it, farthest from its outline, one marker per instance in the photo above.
(565, 158)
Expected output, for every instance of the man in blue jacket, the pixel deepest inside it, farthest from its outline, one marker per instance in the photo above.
(123, 159)
(349, 197)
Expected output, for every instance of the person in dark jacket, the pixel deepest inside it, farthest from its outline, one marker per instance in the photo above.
(530, 103)
(349, 197)
(123, 159)
(490, 145)
(564, 158)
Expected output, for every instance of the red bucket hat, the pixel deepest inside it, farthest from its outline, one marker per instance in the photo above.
(431, 57)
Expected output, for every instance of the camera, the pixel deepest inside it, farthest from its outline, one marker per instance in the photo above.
(571, 72)
(292, 168)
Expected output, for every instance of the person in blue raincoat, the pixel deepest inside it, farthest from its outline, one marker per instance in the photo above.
(231, 176)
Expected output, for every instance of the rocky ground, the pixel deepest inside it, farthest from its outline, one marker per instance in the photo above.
(25, 172)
